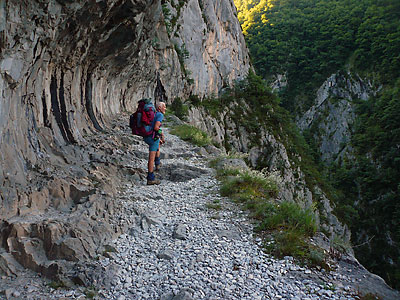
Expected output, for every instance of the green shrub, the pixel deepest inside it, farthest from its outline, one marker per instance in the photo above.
(223, 173)
(253, 189)
(290, 226)
(167, 18)
(293, 243)
(180, 109)
(183, 54)
(212, 105)
(287, 243)
(191, 134)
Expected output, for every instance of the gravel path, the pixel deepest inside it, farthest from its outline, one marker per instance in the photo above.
(184, 250)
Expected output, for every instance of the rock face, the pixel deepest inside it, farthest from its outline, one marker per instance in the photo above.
(330, 125)
(66, 68)
(331, 117)
(267, 150)
(211, 48)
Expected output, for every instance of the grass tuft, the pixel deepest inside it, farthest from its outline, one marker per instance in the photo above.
(247, 185)
(191, 134)
(214, 205)
(290, 216)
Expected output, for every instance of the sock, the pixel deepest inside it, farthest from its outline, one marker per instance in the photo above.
(157, 161)
(150, 176)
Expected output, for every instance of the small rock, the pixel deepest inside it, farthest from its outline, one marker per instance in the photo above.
(180, 232)
(168, 296)
(128, 280)
(16, 294)
(166, 254)
(229, 234)
(31, 289)
(182, 295)
(8, 293)
(201, 151)
(144, 225)
(211, 149)
(200, 257)
(232, 163)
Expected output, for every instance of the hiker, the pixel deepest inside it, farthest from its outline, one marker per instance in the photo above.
(154, 142)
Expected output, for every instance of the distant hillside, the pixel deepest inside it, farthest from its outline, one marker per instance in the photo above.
(304, 42)
(309, 40)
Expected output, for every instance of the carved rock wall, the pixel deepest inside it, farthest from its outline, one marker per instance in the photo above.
(66, 69)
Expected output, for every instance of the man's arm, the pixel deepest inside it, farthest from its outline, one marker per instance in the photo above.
(157, 125)
(156, 128)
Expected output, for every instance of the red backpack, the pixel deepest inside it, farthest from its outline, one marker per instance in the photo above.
(140, 120)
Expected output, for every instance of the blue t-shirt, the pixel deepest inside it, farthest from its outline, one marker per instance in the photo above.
(158, 117)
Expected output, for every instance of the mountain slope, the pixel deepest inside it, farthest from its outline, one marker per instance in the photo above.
(335, 65)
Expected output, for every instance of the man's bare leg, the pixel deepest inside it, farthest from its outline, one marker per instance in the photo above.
(150, 167)
(150, 164)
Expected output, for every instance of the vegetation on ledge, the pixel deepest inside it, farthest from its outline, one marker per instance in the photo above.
(191, 134)
(285, 227)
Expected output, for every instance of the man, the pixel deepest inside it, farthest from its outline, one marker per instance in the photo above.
(154, 140)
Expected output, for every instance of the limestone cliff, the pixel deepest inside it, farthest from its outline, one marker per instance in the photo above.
(66, 68)
(266, 148)
(331, 117)
(334, 123)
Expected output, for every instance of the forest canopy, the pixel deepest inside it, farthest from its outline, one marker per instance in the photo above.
(308, 40)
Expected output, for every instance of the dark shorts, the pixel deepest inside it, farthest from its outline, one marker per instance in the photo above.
(153, 144)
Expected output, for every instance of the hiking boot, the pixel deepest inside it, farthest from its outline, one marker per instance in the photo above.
(153, 182)
(151, 179)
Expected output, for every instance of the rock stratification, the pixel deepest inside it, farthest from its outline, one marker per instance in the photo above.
(66, 68)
